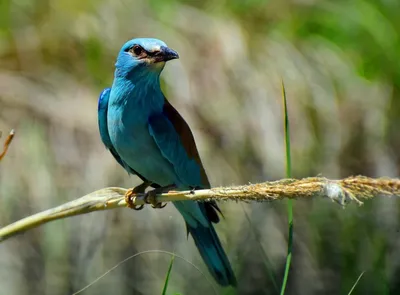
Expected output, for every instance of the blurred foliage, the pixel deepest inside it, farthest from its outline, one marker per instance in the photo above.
(339, 60)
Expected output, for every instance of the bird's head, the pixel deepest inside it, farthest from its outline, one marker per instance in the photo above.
(143, 56)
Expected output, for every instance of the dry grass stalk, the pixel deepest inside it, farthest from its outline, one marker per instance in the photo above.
(344, 191)
(7, 144)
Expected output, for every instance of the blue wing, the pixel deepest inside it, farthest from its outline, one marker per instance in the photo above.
(171, 147)
(176, 143)
(102, 110)
(187, 170)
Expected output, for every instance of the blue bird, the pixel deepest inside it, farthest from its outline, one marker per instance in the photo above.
(149, 138)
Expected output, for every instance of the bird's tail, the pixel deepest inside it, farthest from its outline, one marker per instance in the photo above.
(213, 254)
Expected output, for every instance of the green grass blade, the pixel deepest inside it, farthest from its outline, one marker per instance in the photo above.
(289, 204)
(164, 291)
(355, 284)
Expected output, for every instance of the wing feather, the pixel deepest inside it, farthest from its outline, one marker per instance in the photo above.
(176, 142)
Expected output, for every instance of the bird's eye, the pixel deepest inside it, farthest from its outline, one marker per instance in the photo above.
(137, 50)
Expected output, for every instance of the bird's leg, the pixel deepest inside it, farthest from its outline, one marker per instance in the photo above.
(130, 195)
(150, 197)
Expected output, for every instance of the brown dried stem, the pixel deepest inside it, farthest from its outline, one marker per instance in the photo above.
(343, 191)
(7, 144)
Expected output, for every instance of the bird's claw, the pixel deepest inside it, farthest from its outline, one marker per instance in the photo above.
(159, 205)
(130, 197)
(150, 198)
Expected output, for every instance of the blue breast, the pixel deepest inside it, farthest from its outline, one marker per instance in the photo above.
(127, 122)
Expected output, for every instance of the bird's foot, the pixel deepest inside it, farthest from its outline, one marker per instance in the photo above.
(130, 195)
(151, 196)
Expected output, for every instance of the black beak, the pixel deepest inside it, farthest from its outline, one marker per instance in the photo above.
(165, 54)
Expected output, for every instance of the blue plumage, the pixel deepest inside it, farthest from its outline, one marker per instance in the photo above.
(149, 138)
(105, 137)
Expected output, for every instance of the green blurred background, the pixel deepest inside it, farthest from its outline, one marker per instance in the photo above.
(340, 61)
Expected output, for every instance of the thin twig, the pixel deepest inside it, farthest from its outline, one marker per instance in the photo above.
(7, 144)
(341, 191)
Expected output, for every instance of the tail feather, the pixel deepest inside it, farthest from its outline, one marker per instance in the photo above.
(213, 254)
